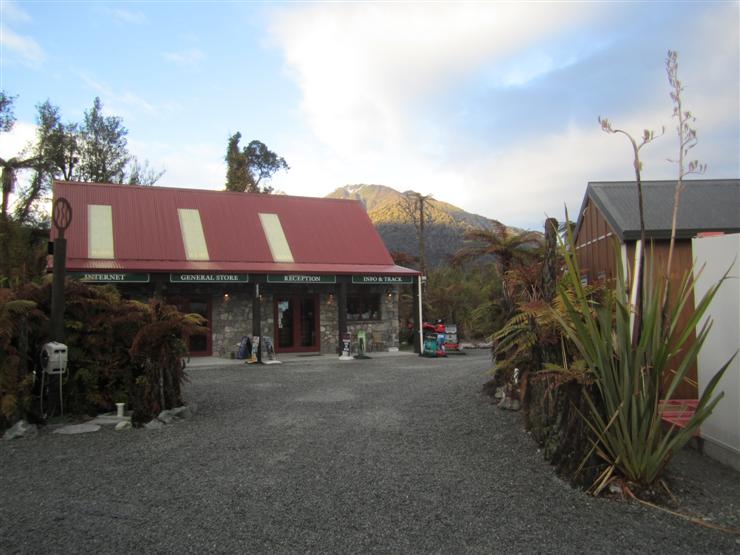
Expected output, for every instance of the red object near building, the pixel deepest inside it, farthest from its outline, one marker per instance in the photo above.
(439, 331)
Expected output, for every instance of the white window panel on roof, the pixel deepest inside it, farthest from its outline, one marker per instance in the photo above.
(276, 240)
(193, 238)
(100, 231)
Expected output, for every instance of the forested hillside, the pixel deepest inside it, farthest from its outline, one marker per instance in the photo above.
(388, 210)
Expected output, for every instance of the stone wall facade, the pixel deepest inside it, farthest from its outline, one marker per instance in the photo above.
(231, 319)
(231, 311)
(328, 321)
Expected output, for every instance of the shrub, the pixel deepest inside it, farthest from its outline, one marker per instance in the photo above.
(119, 351)
(100, 327)
(158, 351)
(626, 422)
(15, 382)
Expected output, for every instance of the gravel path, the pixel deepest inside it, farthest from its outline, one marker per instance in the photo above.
(397, 455)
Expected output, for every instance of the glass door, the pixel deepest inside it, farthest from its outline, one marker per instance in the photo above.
(307, 331)
(284, 322)
(296, 323)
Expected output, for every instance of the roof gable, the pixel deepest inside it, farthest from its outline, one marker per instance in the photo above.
(705, 205)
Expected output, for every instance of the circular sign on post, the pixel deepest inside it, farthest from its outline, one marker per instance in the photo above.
(61, 214)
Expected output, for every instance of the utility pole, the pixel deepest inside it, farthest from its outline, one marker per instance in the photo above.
(422, 257)
(416, 209)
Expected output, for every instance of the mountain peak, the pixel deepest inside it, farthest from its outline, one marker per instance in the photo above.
(388, 210)
(371, 196)
(387, 205)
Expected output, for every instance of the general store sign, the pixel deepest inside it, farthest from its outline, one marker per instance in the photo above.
(109, 277)
(300, 278)
(381, 280)
(209, 278)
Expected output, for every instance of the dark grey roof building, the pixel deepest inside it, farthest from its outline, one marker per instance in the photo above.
(705, 205)
(609, 224)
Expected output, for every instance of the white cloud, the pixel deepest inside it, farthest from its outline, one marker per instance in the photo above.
(529, 179)
(551, 171)
(14, 142)
(128, 16)
(189, 57)
(193, 165)
(362, 68)
(526, 69)
(26, 47)
(12, 12)
(369, 73)
(119, 103)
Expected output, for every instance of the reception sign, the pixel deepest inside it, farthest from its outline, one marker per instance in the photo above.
(301, 278)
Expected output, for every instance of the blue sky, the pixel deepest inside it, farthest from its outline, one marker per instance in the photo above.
(489, 106)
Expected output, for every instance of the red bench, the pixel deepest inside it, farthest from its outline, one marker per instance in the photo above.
(678, 412)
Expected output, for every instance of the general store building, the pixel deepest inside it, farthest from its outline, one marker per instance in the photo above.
(303, 271)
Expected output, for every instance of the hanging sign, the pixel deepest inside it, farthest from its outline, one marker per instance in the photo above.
(109, 277)
(381, 280)
(300, 278)
(208, 278)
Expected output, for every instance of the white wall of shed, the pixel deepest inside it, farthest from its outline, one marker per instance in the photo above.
(721, 430)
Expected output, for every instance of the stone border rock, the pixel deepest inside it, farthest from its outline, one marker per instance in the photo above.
(23, 429)
(170, 416)
(20, 429)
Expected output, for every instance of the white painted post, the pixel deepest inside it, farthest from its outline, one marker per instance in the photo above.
(421, 325)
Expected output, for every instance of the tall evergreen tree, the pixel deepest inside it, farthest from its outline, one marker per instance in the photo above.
(237, 175)
(10, 166)
(104, 155)
(94, 150)
(7, 117)
(248, 167)
(57, 153)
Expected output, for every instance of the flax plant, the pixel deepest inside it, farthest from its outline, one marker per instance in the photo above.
(624, 415)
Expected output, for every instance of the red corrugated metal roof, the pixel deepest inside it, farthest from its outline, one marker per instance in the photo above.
(325, 235)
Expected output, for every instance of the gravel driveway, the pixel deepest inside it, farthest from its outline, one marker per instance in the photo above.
(395, 454)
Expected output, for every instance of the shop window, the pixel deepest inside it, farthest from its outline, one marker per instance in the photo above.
(363, 307)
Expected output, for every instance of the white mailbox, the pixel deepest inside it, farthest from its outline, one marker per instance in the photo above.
(54, 358)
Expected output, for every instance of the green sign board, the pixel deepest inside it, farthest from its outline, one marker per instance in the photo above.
(109, 277)
(208, 278)
(382, 280)
(300, 278)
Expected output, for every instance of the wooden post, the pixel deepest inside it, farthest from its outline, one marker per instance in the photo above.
(62, 217)
(416, 314)
(56, 324)
(257, 319)
(342, 312)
